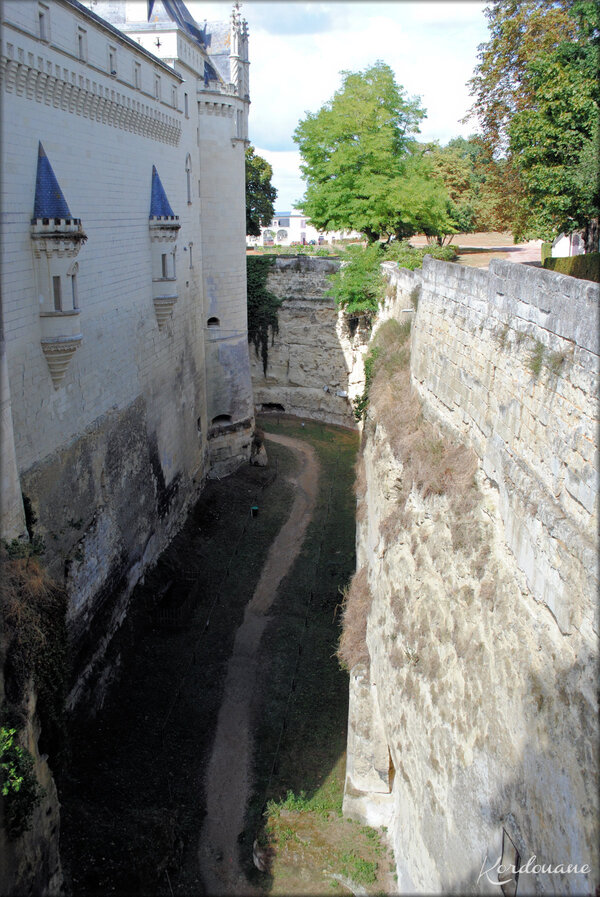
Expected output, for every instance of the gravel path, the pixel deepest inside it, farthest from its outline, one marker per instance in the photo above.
(228, 774)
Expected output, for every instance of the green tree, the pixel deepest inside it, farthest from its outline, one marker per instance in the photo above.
(260, 193)
(556, 141)
(360, 162)
(537, 101)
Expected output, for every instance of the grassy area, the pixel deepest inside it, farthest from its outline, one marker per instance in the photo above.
(299, 766)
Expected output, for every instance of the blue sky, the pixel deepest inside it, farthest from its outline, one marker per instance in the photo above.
(297, 51)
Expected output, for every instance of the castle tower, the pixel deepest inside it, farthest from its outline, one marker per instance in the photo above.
(164, 228)
(56, 239)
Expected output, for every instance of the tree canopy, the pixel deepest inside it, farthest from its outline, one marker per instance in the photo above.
(537, 101)
(361, 163)
(260, 193)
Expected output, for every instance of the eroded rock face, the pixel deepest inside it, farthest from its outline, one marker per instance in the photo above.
(483, 676)
(315, 366)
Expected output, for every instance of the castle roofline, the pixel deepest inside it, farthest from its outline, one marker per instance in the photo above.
(116, 32)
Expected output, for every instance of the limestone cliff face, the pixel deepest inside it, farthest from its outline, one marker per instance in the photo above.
(315, 363)
(30, 864)
(473, 729)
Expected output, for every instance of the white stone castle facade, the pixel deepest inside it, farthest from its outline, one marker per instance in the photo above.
(125, 368)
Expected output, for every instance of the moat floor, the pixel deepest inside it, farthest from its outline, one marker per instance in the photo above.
(133, 796)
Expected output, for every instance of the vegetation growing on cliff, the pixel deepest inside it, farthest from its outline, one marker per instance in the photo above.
(262, 306)
(34, 642)
(358, 285)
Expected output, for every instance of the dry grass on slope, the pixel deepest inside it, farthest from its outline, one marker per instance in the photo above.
(356, 606)
(432, 463)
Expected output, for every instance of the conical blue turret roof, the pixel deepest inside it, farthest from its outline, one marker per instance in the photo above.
(159, 204)
(49, 200)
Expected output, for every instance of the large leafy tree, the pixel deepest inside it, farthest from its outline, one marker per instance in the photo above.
(360, 164)
(260, 193)
(536, 98)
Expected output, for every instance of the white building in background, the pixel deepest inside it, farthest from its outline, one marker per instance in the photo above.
(289, 228)
(125, 367)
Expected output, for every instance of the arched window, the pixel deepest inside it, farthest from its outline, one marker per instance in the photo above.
(222, 419)
(188, 176)
(281, 235)
(213, 322)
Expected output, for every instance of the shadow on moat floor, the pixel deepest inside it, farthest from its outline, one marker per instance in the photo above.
(133, 796)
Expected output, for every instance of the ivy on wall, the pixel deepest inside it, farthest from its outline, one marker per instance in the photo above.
(262, 306)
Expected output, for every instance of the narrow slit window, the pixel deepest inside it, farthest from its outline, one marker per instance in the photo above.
(191, 248)
(57, 293)
(165, 267)
(43, 23)
(74, 291)
(81, 48)
(186, 105)
(112, 61)
(188, 177)
(137, 77)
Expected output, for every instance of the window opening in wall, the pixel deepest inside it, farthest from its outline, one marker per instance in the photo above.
(174, 98)
(165, 268)
(112, 60)
(188, 176)
(137, 74)
(43, 20)
(213, 322)
(57, 293)
(186, 107)
(81, 50)
(191, 248)
(509, 877)
(222, 419)
(74, 291)
(157, 87)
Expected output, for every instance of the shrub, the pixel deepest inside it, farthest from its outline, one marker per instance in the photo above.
(584, 267)
(19, 785)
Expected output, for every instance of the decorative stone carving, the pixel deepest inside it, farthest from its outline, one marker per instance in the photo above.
(58, 351)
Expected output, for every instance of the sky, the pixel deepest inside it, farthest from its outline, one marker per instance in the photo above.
(297, 51)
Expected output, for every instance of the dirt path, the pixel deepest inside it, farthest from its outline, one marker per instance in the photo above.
(228, 773)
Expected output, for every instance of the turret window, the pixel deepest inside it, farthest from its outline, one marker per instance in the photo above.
(165, 266)
(56, 289)
(74, 291)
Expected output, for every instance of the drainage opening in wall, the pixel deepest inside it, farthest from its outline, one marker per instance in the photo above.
(213, 322)
(273, 407)
(221, 419)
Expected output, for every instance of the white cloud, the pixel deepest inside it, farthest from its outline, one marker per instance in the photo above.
(298, 49)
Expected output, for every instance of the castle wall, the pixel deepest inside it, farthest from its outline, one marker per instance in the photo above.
(111, 457)
(482, 631)
(314, 363)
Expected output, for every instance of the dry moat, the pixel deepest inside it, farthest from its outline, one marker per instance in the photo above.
(133, 793)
